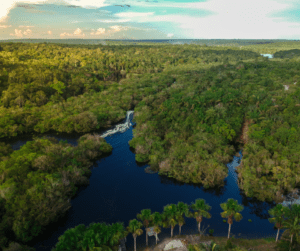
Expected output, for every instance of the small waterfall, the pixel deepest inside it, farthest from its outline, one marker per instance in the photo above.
(291, 198)
(119, 128)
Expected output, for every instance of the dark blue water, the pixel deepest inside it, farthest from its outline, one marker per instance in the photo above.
(119, 189)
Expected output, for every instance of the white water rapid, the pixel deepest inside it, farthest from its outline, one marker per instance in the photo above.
(119, 128)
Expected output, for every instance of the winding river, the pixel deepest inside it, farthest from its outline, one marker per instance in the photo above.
(120, 188)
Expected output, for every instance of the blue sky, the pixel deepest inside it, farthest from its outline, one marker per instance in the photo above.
(150, 19)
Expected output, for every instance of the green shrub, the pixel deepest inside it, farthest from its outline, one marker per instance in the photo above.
(229, 244)
(284, 245)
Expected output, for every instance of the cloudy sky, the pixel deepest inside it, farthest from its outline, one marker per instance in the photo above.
(150, 19)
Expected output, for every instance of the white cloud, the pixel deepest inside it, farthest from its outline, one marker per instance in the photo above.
(170, 35)
(7, 5)
(237, 19)
(76, 33)
(22, 26)
(231, 19)
(114, 21)
(18, 33)
(117, 28)
(49, 32)
(27, 32)
(134, 14)
(100, 31)
(88, 3)
(4, 26)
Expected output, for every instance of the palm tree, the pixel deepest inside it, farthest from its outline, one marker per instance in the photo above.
(146, 217)
(181, 222)
(182, 208)
(118, 233)
(293, 226)
(200, 208)
(157, 221)
(134, 227)
(231, 210)
(292, 223)
(277, 212)
(169, 216)
(156, 230)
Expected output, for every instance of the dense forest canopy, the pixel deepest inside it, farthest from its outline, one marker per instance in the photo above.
(192, 105)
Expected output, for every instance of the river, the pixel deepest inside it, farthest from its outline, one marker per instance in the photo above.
(120, 188)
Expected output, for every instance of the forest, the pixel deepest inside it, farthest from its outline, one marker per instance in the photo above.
(191, 105)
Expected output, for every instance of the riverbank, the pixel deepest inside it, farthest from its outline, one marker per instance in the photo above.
(262, 244)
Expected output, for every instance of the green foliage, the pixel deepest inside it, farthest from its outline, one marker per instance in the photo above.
(37, 181)
(211, 231)
(95, 236)
(185, 129)
(284, 245)
(229, 244)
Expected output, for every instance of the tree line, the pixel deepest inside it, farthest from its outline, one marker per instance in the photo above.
(100, 236)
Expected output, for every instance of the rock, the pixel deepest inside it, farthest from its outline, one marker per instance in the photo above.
(174, 244)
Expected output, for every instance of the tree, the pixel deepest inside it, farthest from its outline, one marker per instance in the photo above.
(182, 208)
(181, 222)
(293, 220)
(277, 212)
(118, 233)
(71, 239)
(231, 210)
(156, 230)
(169, 217)
(157, 221)
(293, 226)
(200, 208)
(134, 227)
(58, 86)
(146, 217)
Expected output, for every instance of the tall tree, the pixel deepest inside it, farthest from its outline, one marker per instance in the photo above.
(169, 217)
(182, 208)
(157, 230)
(278, 216)
(231, 211)
(157, 221)
(293, 220)
(200, 210)
(293, 226)
(134, 227)
(146, 217)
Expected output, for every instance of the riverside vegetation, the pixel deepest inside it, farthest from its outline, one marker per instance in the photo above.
(190, 104)
(100, 236)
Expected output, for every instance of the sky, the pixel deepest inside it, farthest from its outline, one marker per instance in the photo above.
(149, 19)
